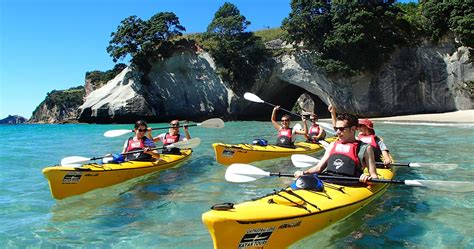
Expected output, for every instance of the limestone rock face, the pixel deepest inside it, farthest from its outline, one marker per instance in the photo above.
(421, 79)
(184, 86)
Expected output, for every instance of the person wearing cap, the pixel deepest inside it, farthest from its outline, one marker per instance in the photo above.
(367, 135)
(172, 136)
(315, 132)
(286, 135)
(347, 156)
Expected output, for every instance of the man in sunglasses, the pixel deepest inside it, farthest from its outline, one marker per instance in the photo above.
(172, 136)
(140, 143)
(346, 156)
(286, 135)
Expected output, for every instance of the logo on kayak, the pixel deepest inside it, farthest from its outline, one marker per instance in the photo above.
(72, 177)
(338, 163)
(256, 237)
(228, 153)
(290, 225)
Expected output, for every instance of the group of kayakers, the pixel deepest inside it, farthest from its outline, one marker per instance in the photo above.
(144, 143)
(348, 156)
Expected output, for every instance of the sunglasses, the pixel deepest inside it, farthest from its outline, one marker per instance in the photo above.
(312, 119)
(142, 130)
(341, 129)
(174, 125)
(285, 120)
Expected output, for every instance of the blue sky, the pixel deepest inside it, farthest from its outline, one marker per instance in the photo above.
(49, 45)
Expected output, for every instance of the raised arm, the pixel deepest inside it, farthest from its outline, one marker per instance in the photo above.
(186, 132)
(332, 110)
(274, 122)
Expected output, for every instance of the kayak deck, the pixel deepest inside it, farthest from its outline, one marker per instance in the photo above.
(286, 216)
(246, 153)
(69, 181)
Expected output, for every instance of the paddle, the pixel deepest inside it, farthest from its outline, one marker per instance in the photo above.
(73, 160)
(254, 98)
(238, 172)
(210, 123)
(303, 161)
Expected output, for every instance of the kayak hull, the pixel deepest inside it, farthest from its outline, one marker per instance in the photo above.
(275, 222)
(246, 153)
(69, 181)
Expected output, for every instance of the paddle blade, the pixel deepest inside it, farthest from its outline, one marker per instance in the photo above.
(116, 133)
(190, 143)
(212, 123)
(437, 166)
(238, 172)
(327, 127)
(72, 160)
(449, 186)
(252, 97)
(303, 161)
(297, 127)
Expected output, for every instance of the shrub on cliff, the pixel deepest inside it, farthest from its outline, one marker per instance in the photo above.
(238, 54)
(145, 40)
(348, 36)
(98, 78)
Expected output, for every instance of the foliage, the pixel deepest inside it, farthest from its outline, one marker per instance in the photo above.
(238, 54)
(145, 40)
(98, 78)
(70, 98)
(454, 15)
(348, 36)
(270, 34)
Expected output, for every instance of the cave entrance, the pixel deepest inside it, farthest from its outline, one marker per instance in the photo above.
(311, 103)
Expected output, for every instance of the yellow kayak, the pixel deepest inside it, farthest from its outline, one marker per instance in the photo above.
(68, 181)
(282, 218)
(246, 153)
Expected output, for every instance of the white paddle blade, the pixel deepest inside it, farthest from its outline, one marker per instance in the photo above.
(190, 143)
(437, 166)
(252, 97)
(324, 143)
(327, 127)
(297, 127)
(72, 160)
(449, 186)
(238, 172)
(212, 123)
(116, 133)
(303, 161)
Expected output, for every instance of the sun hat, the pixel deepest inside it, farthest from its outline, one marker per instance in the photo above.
(367, 123)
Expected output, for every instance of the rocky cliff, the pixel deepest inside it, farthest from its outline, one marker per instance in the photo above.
(422, 79)
(59, 106)
(13, 119)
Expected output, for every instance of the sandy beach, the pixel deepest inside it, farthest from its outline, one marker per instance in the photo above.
(464, 116)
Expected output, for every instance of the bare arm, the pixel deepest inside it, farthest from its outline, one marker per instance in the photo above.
(186, 132)
(370, 161)
(321, 134)
(332, 110)
(274, 122)
(319, 167)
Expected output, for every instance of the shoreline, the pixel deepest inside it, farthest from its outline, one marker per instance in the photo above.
(463, 116)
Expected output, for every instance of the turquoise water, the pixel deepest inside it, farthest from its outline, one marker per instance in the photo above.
(163, 210)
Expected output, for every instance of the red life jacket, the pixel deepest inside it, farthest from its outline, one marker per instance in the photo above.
(344, 159)
(168, 139)
(372, 140)
(285, 137)
(137, 145)
(314, 131)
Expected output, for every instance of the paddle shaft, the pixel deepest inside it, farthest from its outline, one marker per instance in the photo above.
(283, 109)
(345, 178)
(127, 153)
(162, 128)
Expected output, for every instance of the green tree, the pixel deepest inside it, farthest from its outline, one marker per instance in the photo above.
(238, 54)
(348, 36)
(145, 40)
(456, 16)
